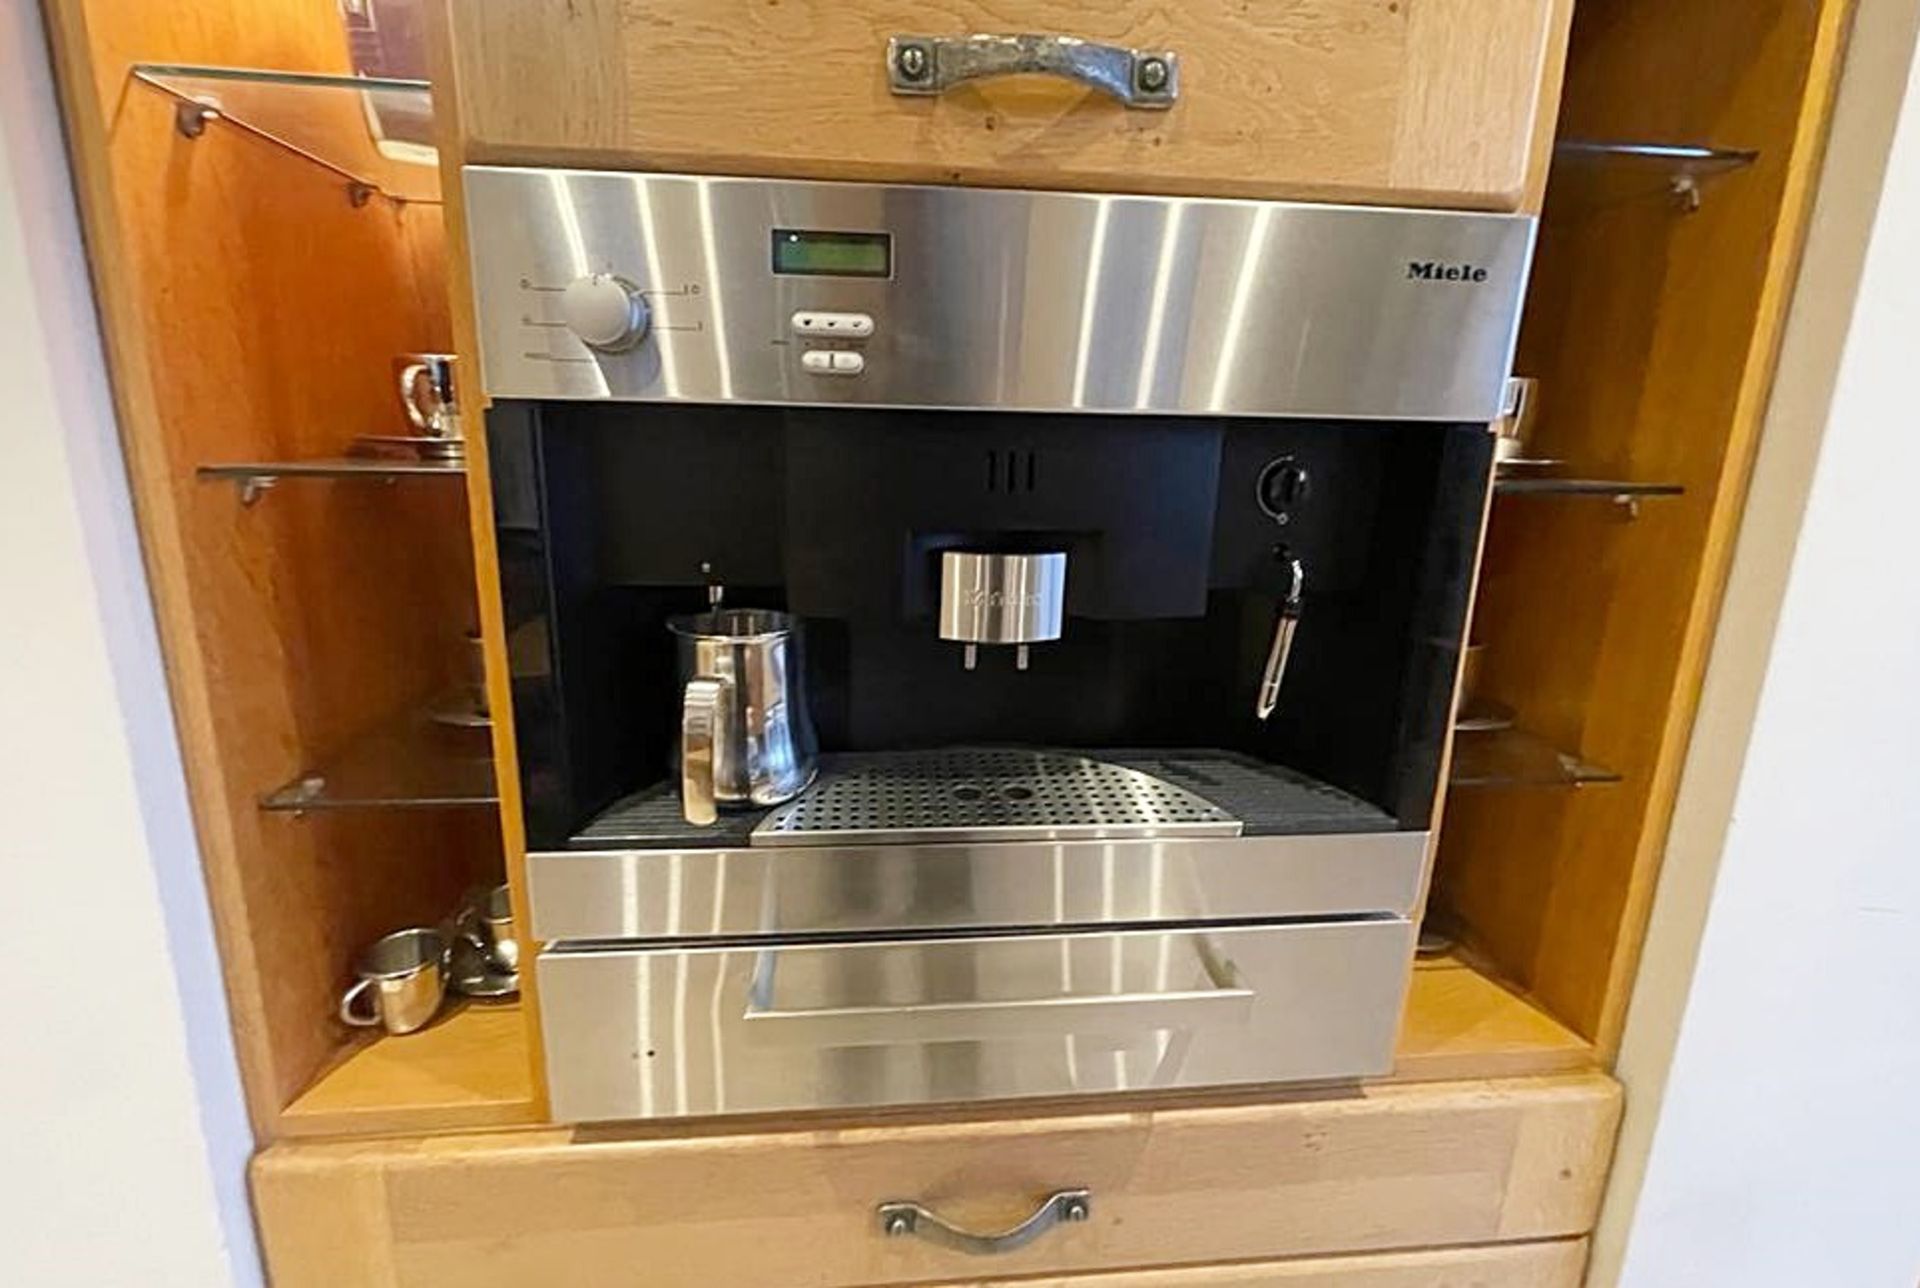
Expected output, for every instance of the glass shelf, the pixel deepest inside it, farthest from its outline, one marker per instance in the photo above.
(1628, 169)
(1521, 485)
(416, 762)
(373, 133)
(254, 478)
(1515, 758)
(1483, 717)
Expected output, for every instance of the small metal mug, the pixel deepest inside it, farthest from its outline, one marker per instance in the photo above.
(426, 391)
(404, 975)
(486, 922)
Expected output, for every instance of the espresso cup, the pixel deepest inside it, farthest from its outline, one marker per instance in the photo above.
(402, 981)
(487, 924)
(426, 391)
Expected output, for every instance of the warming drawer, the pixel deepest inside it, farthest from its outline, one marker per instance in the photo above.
(636, 1031)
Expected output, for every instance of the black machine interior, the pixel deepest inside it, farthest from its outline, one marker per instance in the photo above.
(613, 517)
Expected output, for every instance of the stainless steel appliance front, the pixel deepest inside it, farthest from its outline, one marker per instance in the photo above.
(684, 892)
(643, 1031)
(698, 289)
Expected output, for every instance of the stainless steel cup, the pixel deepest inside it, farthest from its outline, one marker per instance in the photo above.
(487, 924)
(746, 737)
(473, 659)
(426, 391)
(402, 980)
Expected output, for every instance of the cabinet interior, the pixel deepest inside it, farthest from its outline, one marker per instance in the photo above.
(1651, 324)
(254, 306)
(254, 302)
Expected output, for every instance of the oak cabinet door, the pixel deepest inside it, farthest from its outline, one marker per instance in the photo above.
(1345, 1171)
(1413, 102)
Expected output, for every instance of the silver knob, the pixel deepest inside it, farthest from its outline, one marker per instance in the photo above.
(605, 311)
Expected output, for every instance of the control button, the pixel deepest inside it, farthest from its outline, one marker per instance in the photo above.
(817, 359)
(605, 311)
(850, 326)
(848, 363)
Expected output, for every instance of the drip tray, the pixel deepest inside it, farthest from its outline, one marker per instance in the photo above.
(967, 794)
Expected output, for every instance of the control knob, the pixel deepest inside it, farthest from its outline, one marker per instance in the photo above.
(605, 311)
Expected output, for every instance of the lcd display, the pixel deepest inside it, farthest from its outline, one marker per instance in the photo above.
(824, 254)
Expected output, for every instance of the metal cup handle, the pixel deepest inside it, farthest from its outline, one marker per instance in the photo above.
(348, 1015)
(703, 747)
(410, 373)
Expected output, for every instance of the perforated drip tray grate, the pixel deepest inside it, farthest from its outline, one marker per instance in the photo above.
(968, 794)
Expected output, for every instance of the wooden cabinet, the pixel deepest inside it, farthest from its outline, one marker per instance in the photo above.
(1414, 102)
(1388, 1168)
(1556, 1263)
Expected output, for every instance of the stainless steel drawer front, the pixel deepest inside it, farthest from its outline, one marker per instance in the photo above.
(991, 298)
(673, 1031)
(752, 890)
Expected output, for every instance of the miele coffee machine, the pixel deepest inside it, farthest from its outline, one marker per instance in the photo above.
(973, 644)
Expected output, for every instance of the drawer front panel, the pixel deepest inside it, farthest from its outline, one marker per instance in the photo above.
(646, 894)
(1434, 103)
(1558, 1263)
(676, 1032)
(1417, 1166)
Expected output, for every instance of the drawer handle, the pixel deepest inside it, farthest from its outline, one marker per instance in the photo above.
(1148, 78)
(898, 1220)
(1229, 1002)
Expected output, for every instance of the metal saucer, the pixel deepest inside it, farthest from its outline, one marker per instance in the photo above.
(470, 974)
(459, 713)
(417, 445)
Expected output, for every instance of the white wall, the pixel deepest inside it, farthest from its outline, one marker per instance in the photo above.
(120, 1114)
(1772, 1058)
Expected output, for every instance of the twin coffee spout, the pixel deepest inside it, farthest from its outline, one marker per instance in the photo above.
(1015, 599)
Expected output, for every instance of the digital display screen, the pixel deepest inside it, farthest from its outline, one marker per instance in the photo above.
(821, 254)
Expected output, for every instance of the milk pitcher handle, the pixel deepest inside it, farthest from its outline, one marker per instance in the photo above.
(702, 750)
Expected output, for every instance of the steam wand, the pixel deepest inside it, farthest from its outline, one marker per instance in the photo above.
(1283, 628)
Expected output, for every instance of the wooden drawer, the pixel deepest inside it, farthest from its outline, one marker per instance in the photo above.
(1557, 1263)
(1392, 1167)
(1416, 102)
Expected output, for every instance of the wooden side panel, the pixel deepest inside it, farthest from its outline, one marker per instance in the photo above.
(486, 555)
(1653, 333)
(1411, 101)
(253, 313)
(1387, 1168)
(1556, 1264)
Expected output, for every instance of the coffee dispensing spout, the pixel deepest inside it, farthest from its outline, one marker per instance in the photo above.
(1012, 599)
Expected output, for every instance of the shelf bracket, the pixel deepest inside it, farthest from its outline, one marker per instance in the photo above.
(252, 487)
(190, 116)
(1628, 503)
(1684, 191)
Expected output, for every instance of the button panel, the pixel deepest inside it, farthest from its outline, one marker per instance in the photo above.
(841, 326)
(833, 362)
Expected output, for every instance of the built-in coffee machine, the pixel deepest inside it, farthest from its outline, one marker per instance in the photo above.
(972, 644)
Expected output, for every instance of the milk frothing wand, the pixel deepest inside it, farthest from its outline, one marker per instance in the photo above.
(1284, 625)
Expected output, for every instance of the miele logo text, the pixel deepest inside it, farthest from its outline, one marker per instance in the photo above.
(1001, 599)
(1427, 270)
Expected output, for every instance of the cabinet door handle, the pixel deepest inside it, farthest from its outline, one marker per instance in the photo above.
(897, 1220)
(1147, 78)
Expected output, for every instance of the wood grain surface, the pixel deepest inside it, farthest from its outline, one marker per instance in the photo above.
(1557, 1263)
(251, 312)
(1382, 1169)
(1653, 333)
(1414, 102)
